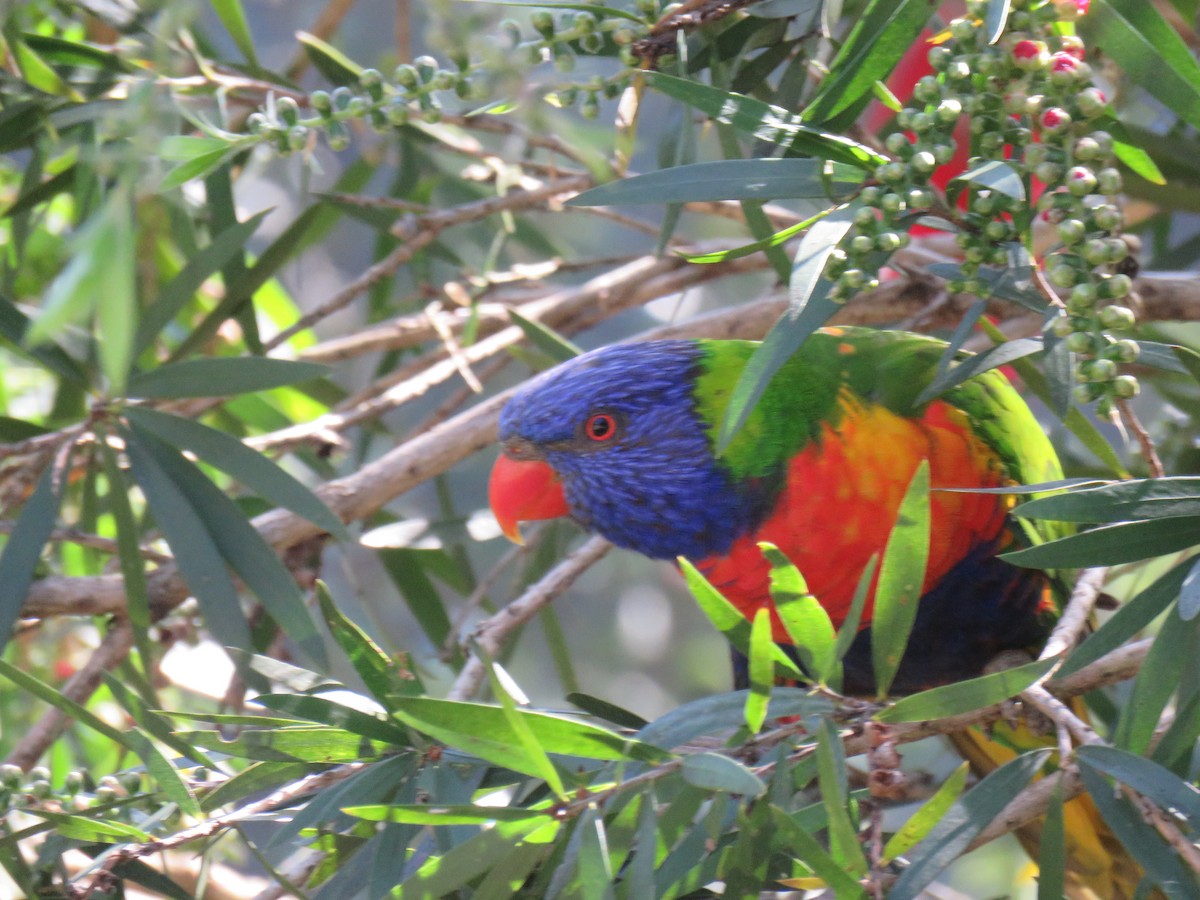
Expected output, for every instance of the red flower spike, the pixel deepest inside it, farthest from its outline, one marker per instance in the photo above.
(524, 491)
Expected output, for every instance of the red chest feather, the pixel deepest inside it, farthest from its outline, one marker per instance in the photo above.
(841, 498)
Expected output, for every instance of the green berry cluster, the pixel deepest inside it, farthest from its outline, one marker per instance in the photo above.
(78, 792)
(415, 91)
(1029, 95)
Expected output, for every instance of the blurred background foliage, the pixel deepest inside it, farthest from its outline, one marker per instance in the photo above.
(240, 265)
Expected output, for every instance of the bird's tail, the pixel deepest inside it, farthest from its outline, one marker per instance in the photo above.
(1098, 865)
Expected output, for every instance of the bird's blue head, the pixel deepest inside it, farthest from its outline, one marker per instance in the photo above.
(633, 458)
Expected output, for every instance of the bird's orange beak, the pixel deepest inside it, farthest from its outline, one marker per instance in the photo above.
(523, 490)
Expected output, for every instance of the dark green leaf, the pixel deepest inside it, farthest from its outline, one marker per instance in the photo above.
(1143, 499)
(443, 875)
(806, 848)
(1141, 840)
(14, 325)
(221, 376)
(901, 575)
(1189, 594)
(383, 676)
(1157, 681)
(323, 711)
(251, 468)
(1109, 545)
(765, 122)
(834, 784)
(1000, 355)
(1130, 619)
(965, 696)
(238, 543)
(1150, 52)
(1148, 778)
(22, 552)
(881, 36)
(605, 710)
(994, 175)
(233, 17)
(331, 62)
(730, 179)
(965, 819)
(545, 338)
(1052, 860)
(716, 772)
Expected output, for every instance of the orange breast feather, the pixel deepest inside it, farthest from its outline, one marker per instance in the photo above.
(841, 498)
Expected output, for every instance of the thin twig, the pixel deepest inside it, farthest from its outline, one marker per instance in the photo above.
(492, 632)
(1078, 612)
(1135, 426)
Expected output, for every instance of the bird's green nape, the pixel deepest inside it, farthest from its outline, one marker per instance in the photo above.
(786, 417)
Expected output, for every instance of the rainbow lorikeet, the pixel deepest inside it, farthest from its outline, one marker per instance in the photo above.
(622, 439)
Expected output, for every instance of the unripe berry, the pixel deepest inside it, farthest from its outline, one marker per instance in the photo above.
(1115, 287)
(852, 279)
(943, 153)
(1117, 318)
(1049, 173)
(1107, 217)
(962, 30)
(1109, 181)
(892, 203)
(939, 58)
(1071, 231)
(320, 102)
(1034, 155)
(1091, 102)
(1124, 351)
(1105, 140)
(996, 230)
(1086, 149)
(919, 198)
(1072, 44)
(862, 243)
(1062, 327)
(1063, 276)
(887, 242)
(1080, 181)
(1098, 371)
(949, 110)
(958, 70)
(543, 23)
(1095, 252)
(1086, 393)
(1083, 296)
(865, 218)
(287, 110)
(897, 143)
(1064, 69)
(871, 195)
(1014, 103)
(1126, 387)
(923, 162)
(927, 90)
(1079, 341)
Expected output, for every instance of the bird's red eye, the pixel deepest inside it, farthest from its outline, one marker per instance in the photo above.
(600, 427)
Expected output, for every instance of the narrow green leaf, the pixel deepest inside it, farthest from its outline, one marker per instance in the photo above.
(251, 468)
(834, 783)
(1146, 777)
(1149, 51)
(965, 696)
(1142, 842)
(880, 37)
(595, 873)
(14, 327)
(331, 62)
(545, 338)
(723, 712)
(133, 566)
(997, 19)
(431, 814)
(1189, 593)
(323, 711)
(1110, 545)
(605, 710)
(382, 676)
(233, 17)
(1000, 355)
(484, 731)
(848, 630)
(238, 543)
(1157, 681)
(1142, 499)
(1138, 160)
(716, 772)
(728, 179)
(19, 559)
(1052, 860)
(806, 621)
(726, 618)
(809, 307)
(221, 376)
(442, 876)
(195, 552)
(901, 576)
(103, 831)
(519, 727)
(924, 819)
(775, 240)
(993, 174)
(303, 743)
(762, 670)
(131, 739)
(180, 290)
(965, 819)
(765, 122)
(806, 848)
